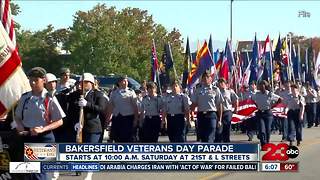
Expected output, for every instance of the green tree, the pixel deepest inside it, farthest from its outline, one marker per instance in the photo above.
(104, 40)
(40, 48)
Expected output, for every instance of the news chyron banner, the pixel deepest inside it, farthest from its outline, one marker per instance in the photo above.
(156, 157)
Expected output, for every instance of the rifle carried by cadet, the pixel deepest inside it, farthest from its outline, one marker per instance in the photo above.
(81, 116)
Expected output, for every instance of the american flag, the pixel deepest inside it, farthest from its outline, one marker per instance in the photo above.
(13, 81)
(7, 20)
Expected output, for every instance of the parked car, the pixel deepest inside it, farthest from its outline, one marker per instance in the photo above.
(109, 81)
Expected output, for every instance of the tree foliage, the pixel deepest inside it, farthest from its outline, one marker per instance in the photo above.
(104, 40)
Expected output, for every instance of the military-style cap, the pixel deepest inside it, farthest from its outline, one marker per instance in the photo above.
(37, 72)
(51, 77)
(123, 77)
(64, 70)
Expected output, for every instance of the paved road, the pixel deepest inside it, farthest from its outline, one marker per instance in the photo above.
(308, 167)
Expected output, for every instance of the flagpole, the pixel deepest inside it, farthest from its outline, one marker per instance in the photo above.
(291, 66)
(174, 69)
(231, 19)
(271, 64)
(157, 70)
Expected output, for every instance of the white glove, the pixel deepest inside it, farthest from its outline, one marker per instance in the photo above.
(82, 102)
(77, 126)
(13, 124)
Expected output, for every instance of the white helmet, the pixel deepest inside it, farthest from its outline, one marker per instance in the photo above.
(51, 77)
(88, 77)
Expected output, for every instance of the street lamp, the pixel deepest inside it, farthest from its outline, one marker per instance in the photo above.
(231, 20)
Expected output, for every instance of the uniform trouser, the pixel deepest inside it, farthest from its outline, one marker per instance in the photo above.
(223, 133)
(91, 137)
(251, 126)
(295, 125)
(46, 137)
(122, 128)
(317, 123)
(151, 129)
(264, 119)
(283, 127)
(176, 127)
(207, 123)
(311, 110)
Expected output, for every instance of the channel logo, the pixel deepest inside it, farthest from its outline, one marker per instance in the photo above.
(40, 152)
(25, 167)
(279, 152)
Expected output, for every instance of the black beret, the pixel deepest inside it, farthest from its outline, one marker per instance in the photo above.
(37, 72)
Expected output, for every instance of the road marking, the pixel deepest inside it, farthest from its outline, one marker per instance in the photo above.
(215, 175)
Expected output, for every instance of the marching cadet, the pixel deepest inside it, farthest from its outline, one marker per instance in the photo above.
(151, 107)
(295, 104)
(93, 104)
(38, 113)
(318, 108)
(230, 100)
(176, 113)
(250, 123)
(264, 100)
(103, 114)
(124, 109)
(65, 81)
(283, 122)
(208, 99)
(311, 104)
(51, 84)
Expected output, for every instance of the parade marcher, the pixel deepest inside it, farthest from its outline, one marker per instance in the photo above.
(311, 104)
(51, 84)
(176, 113)
(102, 115)
(208, 99)
(143, 88)
(66, 83)
(250, 123)
(264, 100)
(229, 104)
(38, 113)
(124, 112)
(295, 104)
(151, 107)
(138, 131)
(283, 122)
(317, 123)
(93, 104)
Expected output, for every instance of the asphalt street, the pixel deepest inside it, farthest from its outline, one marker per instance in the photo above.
(308, 165)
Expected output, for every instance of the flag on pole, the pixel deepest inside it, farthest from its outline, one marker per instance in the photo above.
(317, 71)
(7, 20)
(267, 55)
(187, 64)
(154, 63)
(13, 81)
(227, 58)
(202, 63)
(254, 61)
